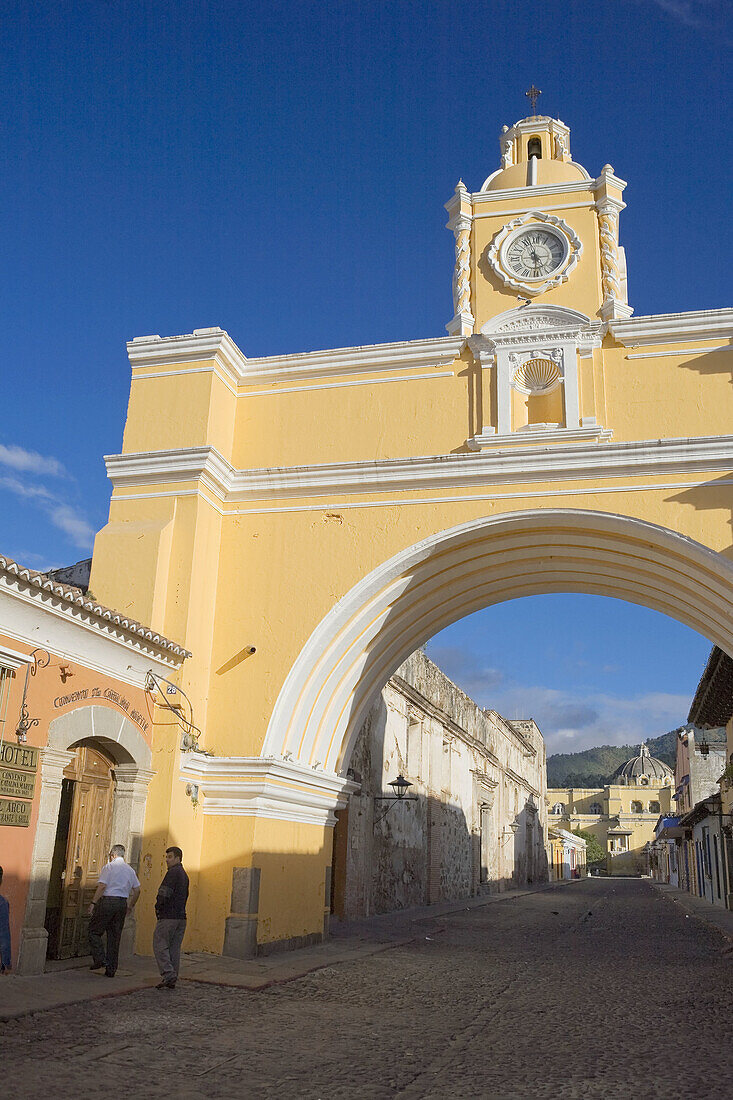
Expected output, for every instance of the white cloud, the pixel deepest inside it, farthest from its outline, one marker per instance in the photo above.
(571, 719)
(17, 458)
(63, 515)
(72, 523)
(691, 13)
(29, 492)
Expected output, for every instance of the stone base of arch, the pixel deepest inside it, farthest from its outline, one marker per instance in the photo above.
(277, 888)
(119, 738)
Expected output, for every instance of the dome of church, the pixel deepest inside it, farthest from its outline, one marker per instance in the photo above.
(642, 769)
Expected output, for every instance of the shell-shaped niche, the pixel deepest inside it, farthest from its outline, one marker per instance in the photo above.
(537, 376)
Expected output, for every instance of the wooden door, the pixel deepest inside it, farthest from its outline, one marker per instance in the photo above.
(87, 847)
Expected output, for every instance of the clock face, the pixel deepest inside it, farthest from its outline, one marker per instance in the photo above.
(535, 253)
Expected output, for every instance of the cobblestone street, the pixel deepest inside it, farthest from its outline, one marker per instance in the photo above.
(597, 989)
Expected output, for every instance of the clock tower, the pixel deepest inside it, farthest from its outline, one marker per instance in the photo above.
(539, 272)
(539, 228)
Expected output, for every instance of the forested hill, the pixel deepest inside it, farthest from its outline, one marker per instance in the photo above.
(594, 767)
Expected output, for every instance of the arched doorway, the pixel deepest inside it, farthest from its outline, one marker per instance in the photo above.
(83, 838)
(95, 771)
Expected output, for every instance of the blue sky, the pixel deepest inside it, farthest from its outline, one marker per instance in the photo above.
(281, 170)
(590, 670)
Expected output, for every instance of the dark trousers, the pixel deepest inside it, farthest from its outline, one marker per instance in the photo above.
(108, 916)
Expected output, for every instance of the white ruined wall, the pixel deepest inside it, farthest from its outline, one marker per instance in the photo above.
(479, 822)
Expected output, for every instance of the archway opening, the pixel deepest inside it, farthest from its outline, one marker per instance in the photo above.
(399, 606)
(587, 680)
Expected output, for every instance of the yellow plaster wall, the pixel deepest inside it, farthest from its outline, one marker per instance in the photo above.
(342, 424)
(582, 291)
(666, 397)
(228, 842)
(293, 858)
(173, 410)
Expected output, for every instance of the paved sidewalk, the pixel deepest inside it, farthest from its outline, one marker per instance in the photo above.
(348, 942)
(713, 915)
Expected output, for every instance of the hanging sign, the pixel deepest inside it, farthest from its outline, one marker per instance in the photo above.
(21, 757)
(15, 813)
(18, 766)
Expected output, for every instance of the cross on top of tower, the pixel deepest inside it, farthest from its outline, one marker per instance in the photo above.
(532, 95)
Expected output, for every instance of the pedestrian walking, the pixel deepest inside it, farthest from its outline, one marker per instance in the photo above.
(5, 953)
(116, 895)
(170, 909)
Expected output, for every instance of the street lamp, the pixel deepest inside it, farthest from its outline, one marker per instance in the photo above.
(400, 786)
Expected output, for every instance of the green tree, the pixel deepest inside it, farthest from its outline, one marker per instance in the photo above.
(594, 852)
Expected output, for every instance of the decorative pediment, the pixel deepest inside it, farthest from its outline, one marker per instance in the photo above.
(530, 319)
(535, 350)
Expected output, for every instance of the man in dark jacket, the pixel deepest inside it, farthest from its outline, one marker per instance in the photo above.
(170, 909)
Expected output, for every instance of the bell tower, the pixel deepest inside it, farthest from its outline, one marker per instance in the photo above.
(540, 228)
(538, 273)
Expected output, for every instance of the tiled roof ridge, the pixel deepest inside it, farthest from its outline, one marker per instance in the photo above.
(75, 597)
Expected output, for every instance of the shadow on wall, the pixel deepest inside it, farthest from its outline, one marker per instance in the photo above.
(713, 492)
(224, 906)
(391, 855)
(399, 855)
(712, 495)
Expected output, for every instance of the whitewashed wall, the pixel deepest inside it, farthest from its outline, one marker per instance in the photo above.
(479, 822)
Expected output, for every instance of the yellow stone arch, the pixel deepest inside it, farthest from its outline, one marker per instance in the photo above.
(300, 522)
(398, 606)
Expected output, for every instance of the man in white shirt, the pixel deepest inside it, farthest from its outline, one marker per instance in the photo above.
(116, 895)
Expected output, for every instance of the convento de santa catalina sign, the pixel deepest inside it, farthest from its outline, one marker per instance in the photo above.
(303, 522)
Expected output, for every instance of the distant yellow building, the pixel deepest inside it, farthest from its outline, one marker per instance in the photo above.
(567, 855)
(302, 523)
(622, 815)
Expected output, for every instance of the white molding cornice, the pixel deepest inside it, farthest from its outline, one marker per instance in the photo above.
(201, 345)
(607, 178)
(12, 659)
(537, 323)
(256, 786)
(372, 359)
(478, 198)
(660, 328)
(204, 465)
(522, 463)
(563, 436)
(216, 346)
